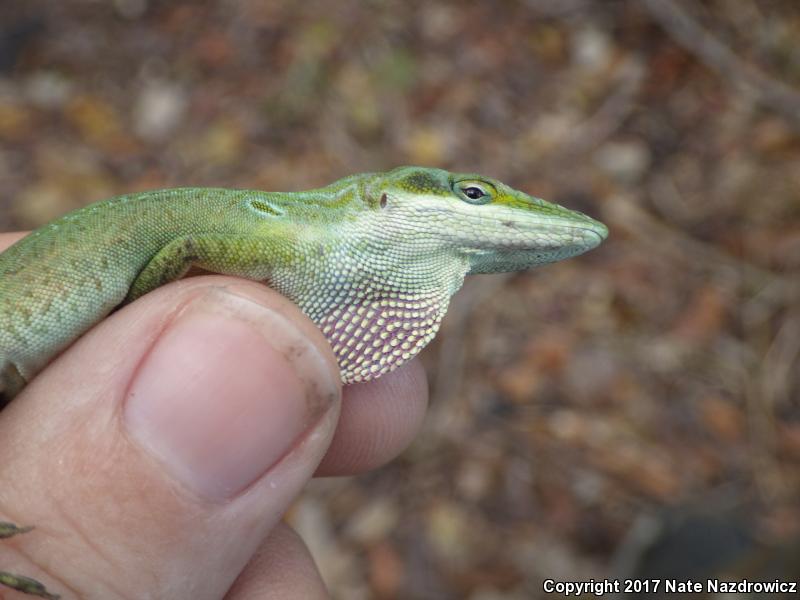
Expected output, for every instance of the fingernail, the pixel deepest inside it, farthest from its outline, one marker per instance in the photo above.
(226, 392)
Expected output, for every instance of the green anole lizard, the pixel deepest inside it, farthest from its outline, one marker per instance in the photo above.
(372, 259)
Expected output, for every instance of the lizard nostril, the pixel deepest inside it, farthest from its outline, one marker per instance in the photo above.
(508, 223)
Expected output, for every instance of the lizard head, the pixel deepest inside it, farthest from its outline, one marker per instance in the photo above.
(376, 268)
(492, 226)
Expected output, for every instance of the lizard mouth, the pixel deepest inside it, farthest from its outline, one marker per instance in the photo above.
(524, 247)
(548, 238)
(594, 236)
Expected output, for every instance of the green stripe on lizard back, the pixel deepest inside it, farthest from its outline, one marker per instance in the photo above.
(373, 258)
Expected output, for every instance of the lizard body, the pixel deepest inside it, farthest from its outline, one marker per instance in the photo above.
(372, 259)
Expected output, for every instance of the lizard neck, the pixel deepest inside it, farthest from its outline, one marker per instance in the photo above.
(377, 303)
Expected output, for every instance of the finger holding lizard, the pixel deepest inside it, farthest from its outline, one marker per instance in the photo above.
(372, 260)
(170, 439)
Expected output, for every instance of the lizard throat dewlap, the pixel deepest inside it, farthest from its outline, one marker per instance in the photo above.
(373, 337)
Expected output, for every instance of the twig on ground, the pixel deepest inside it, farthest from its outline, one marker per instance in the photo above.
(687, 32)
(609, 117)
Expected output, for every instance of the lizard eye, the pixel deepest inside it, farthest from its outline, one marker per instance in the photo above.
(473, 192)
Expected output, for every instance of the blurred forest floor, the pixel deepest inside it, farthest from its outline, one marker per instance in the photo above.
(577, 410)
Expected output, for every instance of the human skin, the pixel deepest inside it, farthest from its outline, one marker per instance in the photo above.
(169, 441)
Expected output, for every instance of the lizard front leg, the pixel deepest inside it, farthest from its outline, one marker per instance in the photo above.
(20, 583)
(26, 585)
(227, 254)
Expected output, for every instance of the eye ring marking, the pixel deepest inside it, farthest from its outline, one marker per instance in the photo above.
(474, 192)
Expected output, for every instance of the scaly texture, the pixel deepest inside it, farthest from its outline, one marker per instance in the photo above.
(372, 259)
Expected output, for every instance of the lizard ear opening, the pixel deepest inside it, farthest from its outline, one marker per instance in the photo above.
(384, 200)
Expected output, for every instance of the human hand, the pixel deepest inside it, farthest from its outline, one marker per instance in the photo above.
(157, 455)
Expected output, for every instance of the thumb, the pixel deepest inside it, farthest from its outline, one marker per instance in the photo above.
(155, 455)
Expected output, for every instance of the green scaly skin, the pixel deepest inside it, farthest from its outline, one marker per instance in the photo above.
(372, 259)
